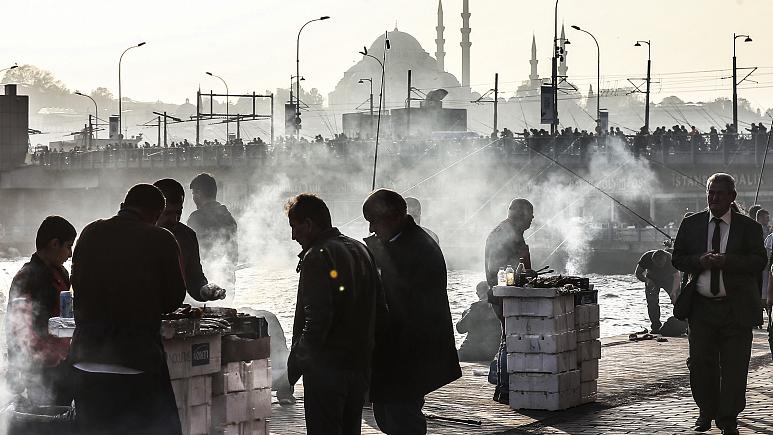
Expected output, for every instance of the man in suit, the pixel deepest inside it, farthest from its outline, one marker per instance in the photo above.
(335, 319)
(415, 351)
(722, 251)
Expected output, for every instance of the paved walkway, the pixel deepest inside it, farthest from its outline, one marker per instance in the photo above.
(643, 389)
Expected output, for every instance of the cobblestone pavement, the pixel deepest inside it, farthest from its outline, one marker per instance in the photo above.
(643, 389)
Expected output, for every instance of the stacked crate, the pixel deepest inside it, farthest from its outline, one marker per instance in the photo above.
(586, 318)
(542, 351)
(191, 362)
(242, 398)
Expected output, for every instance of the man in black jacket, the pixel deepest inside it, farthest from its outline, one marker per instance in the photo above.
(125, 274)
(217, 233)
(415, 349)
(335, 316)
(198, 287)
(36, 360)
(722, 250)
(505, 245)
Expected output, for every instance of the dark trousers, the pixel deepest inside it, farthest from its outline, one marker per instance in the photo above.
(653, 305)
(720, 350)
(502, 390)
(333, 400)
(401, 417)
(110, 404)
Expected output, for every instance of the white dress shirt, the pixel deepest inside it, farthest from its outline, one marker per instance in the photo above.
(704, 279)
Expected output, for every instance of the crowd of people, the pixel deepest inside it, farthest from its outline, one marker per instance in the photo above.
(372, 319)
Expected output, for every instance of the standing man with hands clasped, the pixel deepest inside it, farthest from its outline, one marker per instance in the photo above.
(723, 253)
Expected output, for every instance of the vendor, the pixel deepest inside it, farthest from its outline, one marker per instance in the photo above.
(198, 287)
(126, 274)
(37, 361)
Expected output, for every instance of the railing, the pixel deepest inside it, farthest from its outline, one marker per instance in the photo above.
(567, 148)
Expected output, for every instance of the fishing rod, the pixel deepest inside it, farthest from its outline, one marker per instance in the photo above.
(615, 200)
(762, 171)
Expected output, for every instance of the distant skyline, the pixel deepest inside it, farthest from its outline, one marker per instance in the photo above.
(251, 44)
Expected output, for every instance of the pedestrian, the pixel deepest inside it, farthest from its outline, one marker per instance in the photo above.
(506, 246)
(126, 274)
(482, 327)
(654, 269)
(414, 209)
(37, 361)
(763, 218)
(723, 252)
(199, 288)
(216, 230)
(416, 354)
(335, 316)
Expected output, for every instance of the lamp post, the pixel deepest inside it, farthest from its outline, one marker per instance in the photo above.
(647, 98)
(298, 74)
(598, 76)
(370, 80)
(227, 124)
(96, 113)
(120, 113)
(554, 73)
(735, 80)
(364, 52)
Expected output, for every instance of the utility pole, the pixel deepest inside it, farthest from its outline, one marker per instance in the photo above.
(165, 116)
(735, 81)
(408, 106)
(91, 132)
(198, 114)
(158, 130)
(554, 73)
(496, 101)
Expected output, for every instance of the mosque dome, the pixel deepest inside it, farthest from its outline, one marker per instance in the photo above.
(405, 53)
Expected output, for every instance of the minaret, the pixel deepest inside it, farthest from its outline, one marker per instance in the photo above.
(534, 76)
(466, 44)
(562, 68)
(440, 54)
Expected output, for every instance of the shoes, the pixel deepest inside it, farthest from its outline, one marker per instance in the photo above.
(503, 398)
(702, 424)
(730, 431)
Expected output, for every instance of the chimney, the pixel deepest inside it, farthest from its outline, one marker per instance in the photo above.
(10, 90)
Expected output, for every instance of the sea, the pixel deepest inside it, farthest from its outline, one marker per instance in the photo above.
(621, 297)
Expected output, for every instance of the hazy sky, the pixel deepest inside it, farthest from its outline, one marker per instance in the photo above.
(251, 43)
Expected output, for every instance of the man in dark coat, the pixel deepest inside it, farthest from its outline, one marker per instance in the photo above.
(199, 287)
(415, 349)
(36, 360)
(335, 317)
(505, 245)
(216, 231)
(126, 274)
(722, 250)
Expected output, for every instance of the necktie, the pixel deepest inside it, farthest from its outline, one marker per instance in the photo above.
(715, 247)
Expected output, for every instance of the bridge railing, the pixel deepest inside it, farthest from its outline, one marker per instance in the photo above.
(572, 149)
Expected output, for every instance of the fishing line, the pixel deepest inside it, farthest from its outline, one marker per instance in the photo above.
(615, 200)
(764, 159)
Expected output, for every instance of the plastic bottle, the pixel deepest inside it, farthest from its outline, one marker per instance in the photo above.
(510, 274)
(501, 277)
(519, 275)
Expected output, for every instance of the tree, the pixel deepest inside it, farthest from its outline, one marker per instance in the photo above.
(102, 95)
(36, 79)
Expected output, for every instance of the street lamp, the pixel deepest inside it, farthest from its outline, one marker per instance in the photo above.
(96, 113)
(364, 52)
(554, 74)
(227, 130)
(647, 98)
(371, 92)
(735, 80)
(598, 76)
(120, 113)
(298, 74)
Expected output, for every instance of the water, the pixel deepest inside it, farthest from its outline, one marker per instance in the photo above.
(623, 305)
